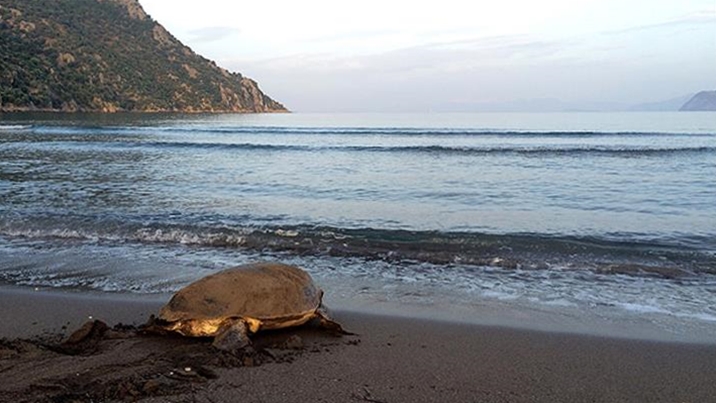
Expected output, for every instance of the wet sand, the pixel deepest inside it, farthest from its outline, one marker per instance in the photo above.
(391, 359)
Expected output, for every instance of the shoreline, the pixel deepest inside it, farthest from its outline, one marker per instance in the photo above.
(392, 359)
(28, 312)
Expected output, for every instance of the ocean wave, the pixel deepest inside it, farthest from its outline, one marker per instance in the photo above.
(403, 131)
(408, 131)
(506, 251)
(270, 138)
(344, 131)
(527, 150)
(429, 149)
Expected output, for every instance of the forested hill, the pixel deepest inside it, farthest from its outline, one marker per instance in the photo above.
(109, 55)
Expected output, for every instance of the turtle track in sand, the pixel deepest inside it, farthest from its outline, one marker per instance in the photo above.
(124, 364)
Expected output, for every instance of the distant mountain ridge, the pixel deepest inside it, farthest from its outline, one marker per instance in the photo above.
(109, 56)
(703, 101)
(666, 105)
(546, 105)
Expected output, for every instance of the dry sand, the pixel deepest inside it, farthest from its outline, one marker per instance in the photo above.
(390, 360)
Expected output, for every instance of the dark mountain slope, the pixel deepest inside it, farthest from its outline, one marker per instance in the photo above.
(109, 55)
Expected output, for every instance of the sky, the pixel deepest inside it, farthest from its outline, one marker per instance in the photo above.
(455, 55)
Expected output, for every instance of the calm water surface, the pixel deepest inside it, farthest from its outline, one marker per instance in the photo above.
(612, 215)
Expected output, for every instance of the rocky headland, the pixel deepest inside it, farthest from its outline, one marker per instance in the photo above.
(702, 101)
(109, 56)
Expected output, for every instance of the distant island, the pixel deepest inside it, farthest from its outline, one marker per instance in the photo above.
(703, 101)
(109, 56)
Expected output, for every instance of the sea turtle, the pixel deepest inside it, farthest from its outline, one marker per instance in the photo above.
(231, 304)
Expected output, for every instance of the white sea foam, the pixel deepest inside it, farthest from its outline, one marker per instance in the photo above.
(641, 308)
(187, 237)
(14, 127)
(699, 316)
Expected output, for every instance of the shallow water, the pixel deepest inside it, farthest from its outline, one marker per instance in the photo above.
(611, 215)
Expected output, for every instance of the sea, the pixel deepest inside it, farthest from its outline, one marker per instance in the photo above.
(603, 223)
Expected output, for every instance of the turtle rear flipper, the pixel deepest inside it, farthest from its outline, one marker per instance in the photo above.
(326, 322)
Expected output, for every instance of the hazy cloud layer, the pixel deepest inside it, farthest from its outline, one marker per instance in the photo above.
(502, 73)
(705, 17)
(404, 56)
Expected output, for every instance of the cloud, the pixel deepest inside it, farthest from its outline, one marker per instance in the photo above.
(212, 34)
(361, 35)
(478, 73)
(439, 75)
(440, 57)
(697, 18)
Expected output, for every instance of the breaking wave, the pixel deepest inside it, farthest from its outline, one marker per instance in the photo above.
(508, 251)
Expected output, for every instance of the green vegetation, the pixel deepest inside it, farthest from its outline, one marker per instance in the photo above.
(107, 55)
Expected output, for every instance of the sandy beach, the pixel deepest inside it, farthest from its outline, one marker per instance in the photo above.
(390, 359)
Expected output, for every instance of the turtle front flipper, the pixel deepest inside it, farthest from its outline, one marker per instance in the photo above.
(232, 336)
